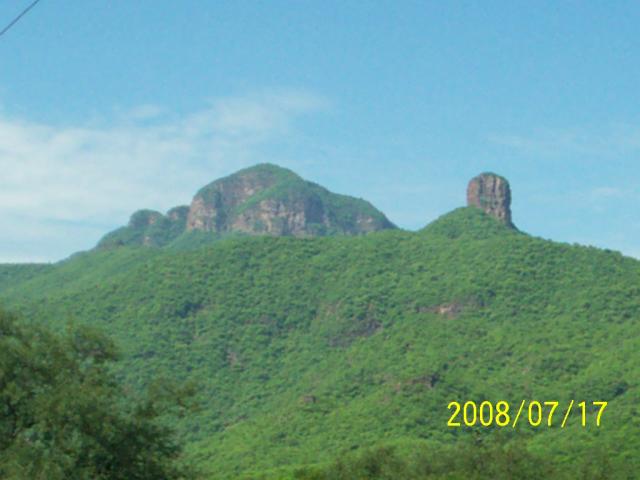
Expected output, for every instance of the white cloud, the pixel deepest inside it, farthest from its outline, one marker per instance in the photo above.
(242, 116)
(63, 186)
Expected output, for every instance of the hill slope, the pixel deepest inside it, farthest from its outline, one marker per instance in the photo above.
(306, 348)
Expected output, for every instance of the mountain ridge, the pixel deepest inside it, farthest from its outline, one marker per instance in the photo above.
(306, 348)
(264, 199)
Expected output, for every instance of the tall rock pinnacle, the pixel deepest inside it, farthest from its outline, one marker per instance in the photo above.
(491, 193)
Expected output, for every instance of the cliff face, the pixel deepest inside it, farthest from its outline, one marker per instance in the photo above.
(492, 194)
(274, 201)
(213, 204)
(269, 200)
(261, 200)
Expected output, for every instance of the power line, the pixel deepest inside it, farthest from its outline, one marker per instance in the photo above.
(17, 19)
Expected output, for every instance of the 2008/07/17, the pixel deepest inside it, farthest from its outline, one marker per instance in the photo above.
(486, 414)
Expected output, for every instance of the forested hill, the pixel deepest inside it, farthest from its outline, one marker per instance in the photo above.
(306, 349)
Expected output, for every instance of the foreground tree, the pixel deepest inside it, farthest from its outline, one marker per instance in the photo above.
(63, 415)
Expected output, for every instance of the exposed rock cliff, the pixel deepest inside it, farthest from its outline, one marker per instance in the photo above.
(491, 193)
(267, 199)
(261, 200)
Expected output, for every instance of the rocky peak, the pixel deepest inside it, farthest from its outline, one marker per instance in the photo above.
(178, 214)
(149, 228)
(267, 199)
(215, 203)
(261, 200)
(144, 218)
(492, 194)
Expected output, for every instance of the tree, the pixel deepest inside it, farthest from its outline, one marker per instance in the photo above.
(63, 415)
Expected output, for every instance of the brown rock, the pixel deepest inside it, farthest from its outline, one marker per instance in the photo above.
(492, 194)
(261, 200)
(270, 200)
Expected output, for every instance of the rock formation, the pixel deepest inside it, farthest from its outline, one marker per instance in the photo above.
(145, 218)
(491, 193)
(271, 200)
(148, 228)
(261, 200)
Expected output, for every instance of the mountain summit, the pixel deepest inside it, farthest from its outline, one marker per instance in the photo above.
(270, 200)
(261, 200)
(267, 199)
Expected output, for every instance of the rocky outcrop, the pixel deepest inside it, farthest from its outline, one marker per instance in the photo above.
(491, 193)
(148, 228)
(271, 200)
(261, 200)
(145, 218)
(178, 214)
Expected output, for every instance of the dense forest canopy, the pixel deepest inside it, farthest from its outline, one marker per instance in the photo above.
(63, 415)
(309, 350)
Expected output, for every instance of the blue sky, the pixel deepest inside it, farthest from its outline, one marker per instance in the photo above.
(108, 107)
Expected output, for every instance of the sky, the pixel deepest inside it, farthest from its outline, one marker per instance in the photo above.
(111, 107)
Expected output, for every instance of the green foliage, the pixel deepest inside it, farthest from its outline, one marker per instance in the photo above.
(469, 459)
(306, 348)
(468, 223)
(63, 415)
(12, 274)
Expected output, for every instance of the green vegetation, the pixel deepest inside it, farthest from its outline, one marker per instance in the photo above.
(63, 417)
(12, 274)
(468, 459)
(306, 350)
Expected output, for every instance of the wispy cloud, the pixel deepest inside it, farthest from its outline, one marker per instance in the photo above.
(597, 199)
(609, 192)
(67, 184)
(605, 140)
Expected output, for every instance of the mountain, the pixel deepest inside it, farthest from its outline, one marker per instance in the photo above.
(309, 349)
(261, 200)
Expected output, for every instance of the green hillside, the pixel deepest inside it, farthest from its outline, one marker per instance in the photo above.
(309, 349)
(12, 274)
